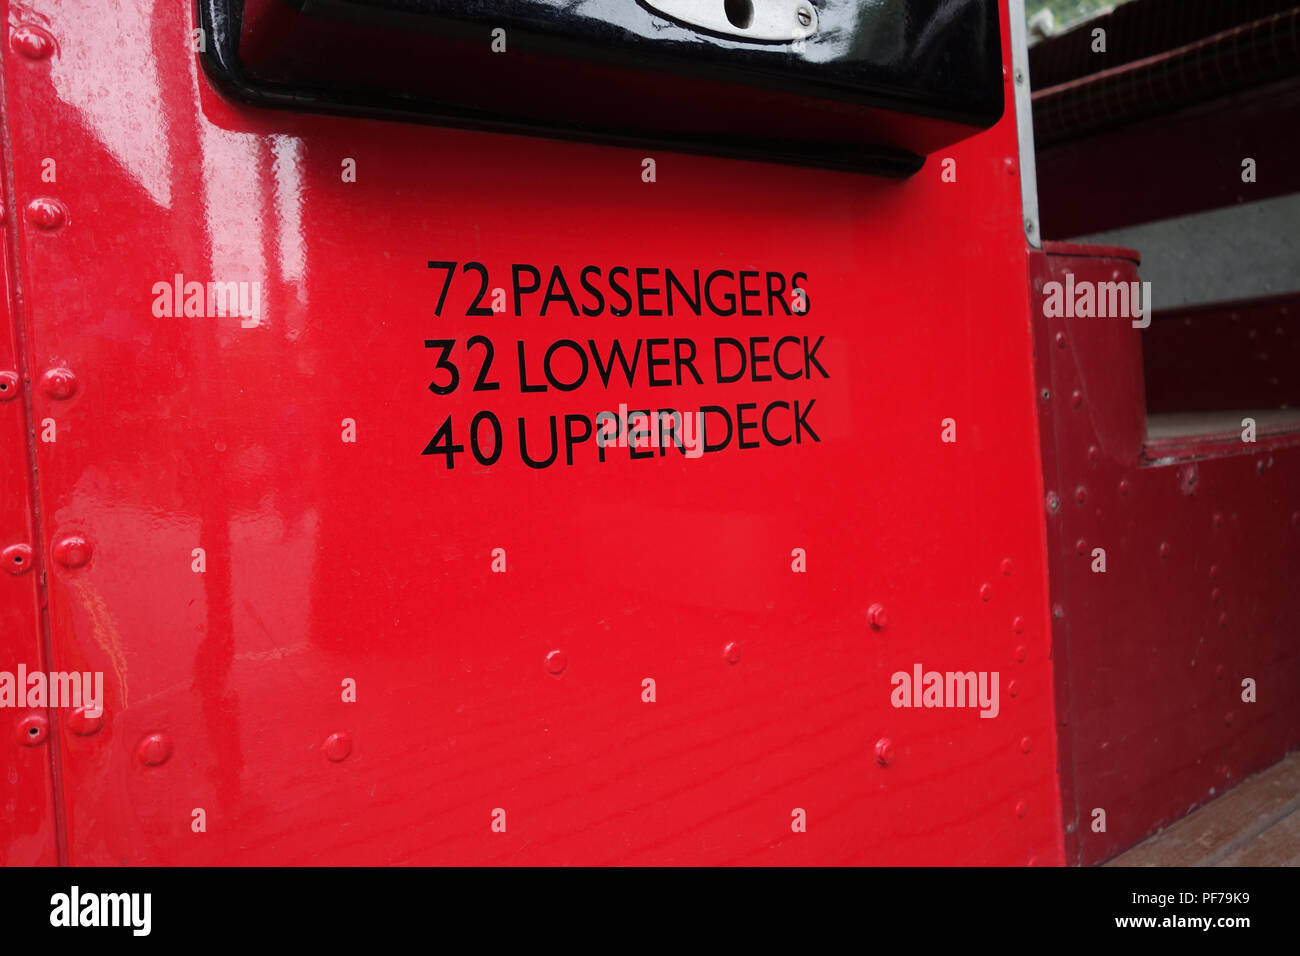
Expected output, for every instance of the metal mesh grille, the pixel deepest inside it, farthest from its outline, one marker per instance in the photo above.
(1171, 72)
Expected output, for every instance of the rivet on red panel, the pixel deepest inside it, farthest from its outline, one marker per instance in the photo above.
(32, 42)
(877, 617)
(986, 592)
(154, 749)
(17, 558)
(59, 382)
(885, 751)
(556, 662)
(337, 746)
(1007, 567)
(731, 652)
(72, 552)
(47, 213)
(8, 386)
(83, 723)
(32, 730)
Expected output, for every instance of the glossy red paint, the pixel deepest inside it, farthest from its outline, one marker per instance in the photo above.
(28, 821)
(325, 560)
(1197, 594)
